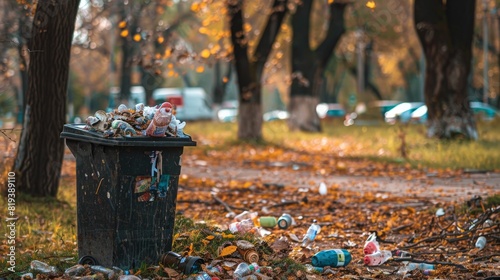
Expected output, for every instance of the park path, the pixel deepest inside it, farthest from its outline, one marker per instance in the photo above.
(431, 186)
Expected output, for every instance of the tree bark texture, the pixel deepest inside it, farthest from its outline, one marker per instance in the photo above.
(40, 152)
(445, 32)
(308, 65)
(249, 72)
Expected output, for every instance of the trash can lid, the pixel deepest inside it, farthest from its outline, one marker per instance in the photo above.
(79, 133)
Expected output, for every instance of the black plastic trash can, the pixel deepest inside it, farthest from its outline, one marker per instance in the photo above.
(126, 195)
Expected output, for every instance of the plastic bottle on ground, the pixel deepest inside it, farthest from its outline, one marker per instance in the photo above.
(377, 258)
(311, 233)
(332, 258)
(371, 244)
(76, 270)
(412, 266)
(244, 269)
(481, 242)
(246, 215)
(242, 227)
(104, 270)
(42, 267)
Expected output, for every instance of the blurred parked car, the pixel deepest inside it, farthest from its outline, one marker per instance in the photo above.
(402, 112)
(276, 115)
(482, 110)
(229, 113)
(371, 114)
(330, 110)
(191, 103)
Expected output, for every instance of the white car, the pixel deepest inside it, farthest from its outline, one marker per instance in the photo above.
(402, 112)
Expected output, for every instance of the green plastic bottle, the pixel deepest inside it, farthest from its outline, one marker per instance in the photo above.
(332, 258)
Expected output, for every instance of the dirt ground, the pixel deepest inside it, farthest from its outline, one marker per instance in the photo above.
(452, 188)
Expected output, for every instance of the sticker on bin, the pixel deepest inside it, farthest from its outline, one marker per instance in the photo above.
(149, 190)
(142, 184)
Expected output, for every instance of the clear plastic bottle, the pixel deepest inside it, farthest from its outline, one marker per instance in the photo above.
(377, 258)
(242, 227)
(371, 245)
(42, 267)
(246, 215)
(159, 124)
(311, 233)
(76, 270)
(481, 242)
(244, 269)
(104, 270)
(412, 266)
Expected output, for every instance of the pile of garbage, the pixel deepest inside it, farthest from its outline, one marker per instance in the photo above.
(156, 121)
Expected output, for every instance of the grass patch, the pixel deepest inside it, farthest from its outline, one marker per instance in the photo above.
(380, 143)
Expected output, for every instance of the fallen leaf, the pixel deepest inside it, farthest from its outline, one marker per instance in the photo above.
(228, 251)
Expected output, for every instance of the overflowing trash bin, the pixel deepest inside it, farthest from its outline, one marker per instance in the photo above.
(126, 195)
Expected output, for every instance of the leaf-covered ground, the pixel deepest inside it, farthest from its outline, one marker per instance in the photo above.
(273, 181)
(364, 195)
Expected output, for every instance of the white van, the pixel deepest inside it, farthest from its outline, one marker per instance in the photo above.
(190, 102)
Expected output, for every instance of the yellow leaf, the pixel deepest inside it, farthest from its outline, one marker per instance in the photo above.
(137, 37)
(205, 242)
(205, 53)
(190, 249)
(371, 4)
(122, 24)
(195, 7)
(161, 39)
(124, 33)
(215, 49)
(247, 27)
(168, 52)
(228, 236)
(210, 237)
(228, 251)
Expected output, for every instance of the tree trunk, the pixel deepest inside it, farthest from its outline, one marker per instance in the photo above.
(22, 51)
(150, 82)
(40, 152)
(128, 47)
(250, 72)
(308, 65)
(445, 32)
(126, 70)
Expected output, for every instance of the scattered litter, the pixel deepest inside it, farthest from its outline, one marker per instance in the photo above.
(481, 242)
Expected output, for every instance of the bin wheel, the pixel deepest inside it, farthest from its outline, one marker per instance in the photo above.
(87, 260)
